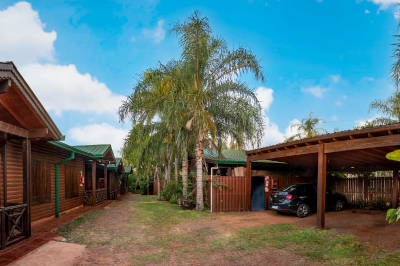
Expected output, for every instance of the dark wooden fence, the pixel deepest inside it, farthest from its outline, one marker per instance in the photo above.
(229, 194)
(366, 190)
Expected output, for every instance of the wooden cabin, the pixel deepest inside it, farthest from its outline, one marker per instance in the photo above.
(229, 162)
(115, 172)
(99, 186)
(124, 178)
(57, 172)
(24, 125)
(40, 176)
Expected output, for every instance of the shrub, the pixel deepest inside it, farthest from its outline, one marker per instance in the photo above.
(137, 183)
(172, 191)
(379, 204)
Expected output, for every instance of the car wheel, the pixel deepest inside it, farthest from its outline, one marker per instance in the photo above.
(339, 206)
(303, 210)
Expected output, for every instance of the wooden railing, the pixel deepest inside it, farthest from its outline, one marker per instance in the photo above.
(101, 195)
(13, 224)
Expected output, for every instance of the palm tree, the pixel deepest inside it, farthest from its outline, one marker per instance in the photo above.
(389, 108)
(218, 105)
(396, 64)
(307, 128)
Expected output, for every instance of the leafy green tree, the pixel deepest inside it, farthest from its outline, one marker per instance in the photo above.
(307, 128)
(389, 109)
(396, 64)
(197, 99)
(219, 105)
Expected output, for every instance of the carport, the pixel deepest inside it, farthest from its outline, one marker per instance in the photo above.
(361, 150)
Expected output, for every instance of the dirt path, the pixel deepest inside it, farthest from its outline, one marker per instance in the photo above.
(132, 232)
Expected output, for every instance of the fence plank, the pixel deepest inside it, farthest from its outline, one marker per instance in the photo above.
(368, 190)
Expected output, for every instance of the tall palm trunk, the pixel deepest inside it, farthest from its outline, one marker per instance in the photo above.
(158, 183)
(185, 170)
(176, 169)
(199, 173)
(169, 169)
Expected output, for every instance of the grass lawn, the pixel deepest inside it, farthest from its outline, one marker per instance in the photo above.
(143, 231)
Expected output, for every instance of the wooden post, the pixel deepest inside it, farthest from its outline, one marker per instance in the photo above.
(321, 191)
(5, 171)
(94, 182)
(105, 179)
(248, 184)
(26, 146)
(3, 235)
(395, 190)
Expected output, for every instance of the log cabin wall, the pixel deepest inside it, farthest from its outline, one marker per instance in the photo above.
(14, 170)
(52, 154)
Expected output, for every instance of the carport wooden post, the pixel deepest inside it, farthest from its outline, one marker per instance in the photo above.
(248, 168)
(94, 182)
(105, 179)
(395, 190)
(321, 190)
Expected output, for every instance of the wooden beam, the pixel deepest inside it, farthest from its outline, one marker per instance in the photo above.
(389, 132)
(38, 133)
(321, 187)
(14, 130)
(364, 143)
(5, 171)
(105, 179)
(5, 85)
(351, 137)
(370, 135)
(94, 182)
(285, 153)
(248, 185)
(395, 190)
(27, 172)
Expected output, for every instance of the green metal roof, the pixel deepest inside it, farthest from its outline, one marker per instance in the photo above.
(69, 148)
(97, 151)
(227, 156)
(127, 169)
(114, 166)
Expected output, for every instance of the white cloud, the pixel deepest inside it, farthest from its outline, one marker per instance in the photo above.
(366, 11)
(157, 34)
(99, 134)
(384, 4)
(335, 78)
(265, 96)
(272, 134)
(316, 91)
(23, 37)
(63, 88)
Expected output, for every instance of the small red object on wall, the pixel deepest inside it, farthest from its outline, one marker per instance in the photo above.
(267, 183)
(82, 180)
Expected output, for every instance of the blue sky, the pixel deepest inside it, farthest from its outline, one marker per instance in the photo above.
(329, 57)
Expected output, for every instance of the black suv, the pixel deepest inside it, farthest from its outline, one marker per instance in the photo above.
(301, 199)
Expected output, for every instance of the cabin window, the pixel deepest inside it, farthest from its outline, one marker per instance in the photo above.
(72, 175)
(41, 181)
